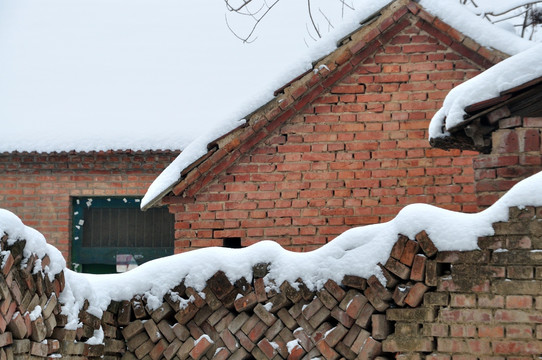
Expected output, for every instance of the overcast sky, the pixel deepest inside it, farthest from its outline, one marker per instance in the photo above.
(135, 73)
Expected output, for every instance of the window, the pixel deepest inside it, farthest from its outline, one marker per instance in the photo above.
(112, 234)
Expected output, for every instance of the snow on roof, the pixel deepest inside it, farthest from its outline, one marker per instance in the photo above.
(448, 10)
(511, 72)
(356, 252)
(142, 75)
(101, 75)
(481, 31)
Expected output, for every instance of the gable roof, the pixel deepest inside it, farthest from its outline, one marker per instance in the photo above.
(471, 110)
(197, 166)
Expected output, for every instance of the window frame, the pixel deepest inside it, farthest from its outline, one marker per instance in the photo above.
(81, 256)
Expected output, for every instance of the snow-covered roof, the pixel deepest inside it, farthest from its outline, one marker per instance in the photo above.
(139, 75)
(450, 11)
(143, 75)
(508, 74)
(356, 252)
(471, 25)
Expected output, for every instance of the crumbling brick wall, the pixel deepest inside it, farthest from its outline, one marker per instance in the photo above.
(435, 305)
(38, 186)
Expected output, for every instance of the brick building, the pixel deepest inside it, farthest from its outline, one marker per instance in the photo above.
(57, 192)
(341, 146)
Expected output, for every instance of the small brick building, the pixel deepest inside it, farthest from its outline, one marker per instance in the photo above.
(341, 146)
(44, 190)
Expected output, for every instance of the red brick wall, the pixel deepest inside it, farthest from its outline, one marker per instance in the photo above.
(515, 155)
(354, 156)
(37, 187)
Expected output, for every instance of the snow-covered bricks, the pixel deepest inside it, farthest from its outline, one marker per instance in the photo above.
(344, 145)
(430, 281)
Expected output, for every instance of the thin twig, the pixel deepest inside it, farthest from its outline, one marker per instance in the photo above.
(312, 20)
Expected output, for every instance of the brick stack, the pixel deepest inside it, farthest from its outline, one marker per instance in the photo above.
(243, 320)
(29, 307)
(434, 305)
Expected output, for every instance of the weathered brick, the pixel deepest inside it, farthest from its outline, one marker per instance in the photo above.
(238, 322)
(427, 246)
(184, 351)
(201, 346)
(180, 331)
(381, 327)
(355, 305)
(246, 303)
(133, 329)
(397, 268)
(364, 317)
(355, 282)
(342, 317)
(327, 351)
(378, 303)
(17, 326)
(408, 344)
(418, 268)
(410, 250)
(186, 314)
(336, 334)
(415, 294)
(335, 290)
(39, 349)
(136, 341)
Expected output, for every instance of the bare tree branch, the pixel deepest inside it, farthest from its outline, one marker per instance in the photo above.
(312, 20)
(524, 15)
(330, 25)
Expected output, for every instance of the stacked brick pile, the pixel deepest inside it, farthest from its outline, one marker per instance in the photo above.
(434, 305)
(243, 320)
(29, 307)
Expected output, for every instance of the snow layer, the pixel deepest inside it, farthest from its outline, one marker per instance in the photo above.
(357, 251)
(478, 29)
(196, 149)
(507, 74)
(499, 8)
(11, 225)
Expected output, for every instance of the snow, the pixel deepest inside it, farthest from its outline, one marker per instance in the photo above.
(356, 252)
(204, 336)
(34, 314)
(35, 241)
(512, 72)
(291, 345)
(97, 337)
(498, 8)
(196, 149)
(481, 31)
